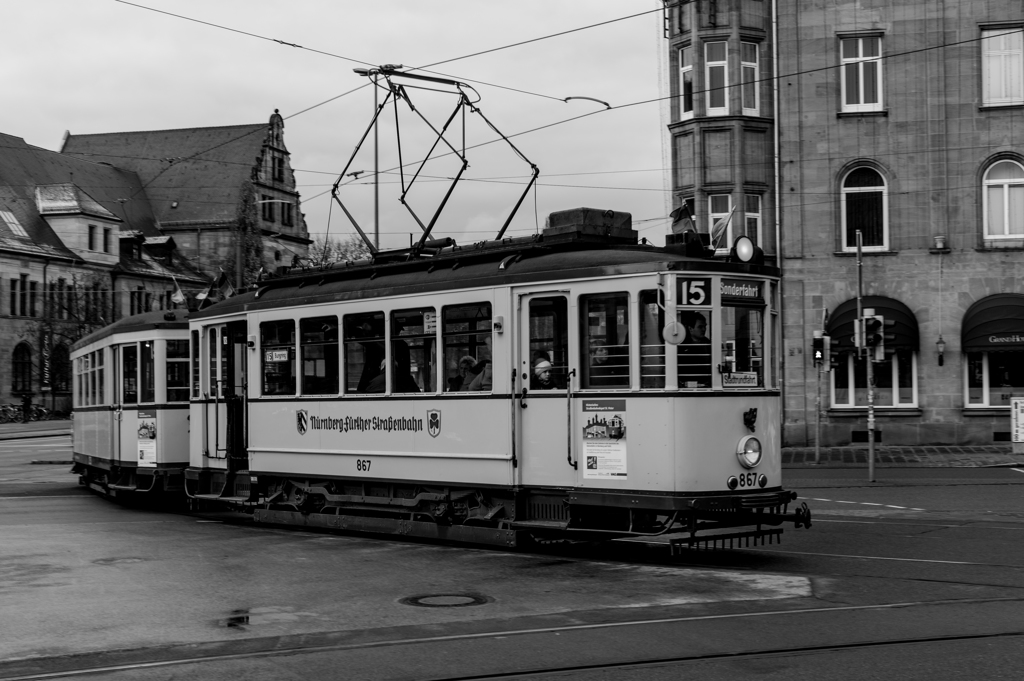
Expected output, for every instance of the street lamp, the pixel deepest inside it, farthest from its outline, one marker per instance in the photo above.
(940, 345)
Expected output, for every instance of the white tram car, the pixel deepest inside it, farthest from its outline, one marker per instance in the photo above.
(575, 384)
(131, 405)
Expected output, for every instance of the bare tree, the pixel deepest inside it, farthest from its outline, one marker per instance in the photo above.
(327, 250)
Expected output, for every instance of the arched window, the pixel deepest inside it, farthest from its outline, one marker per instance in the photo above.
(60, 369)
(1004, 201)
(865, 207)
(21, 369)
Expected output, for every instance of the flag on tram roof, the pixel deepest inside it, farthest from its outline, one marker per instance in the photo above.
(178, 297)
(719, 229)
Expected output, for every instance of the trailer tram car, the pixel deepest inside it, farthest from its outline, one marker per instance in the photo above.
(131, 406)
(542, 387)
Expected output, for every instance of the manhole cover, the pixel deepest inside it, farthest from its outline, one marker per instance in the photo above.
(446, 600)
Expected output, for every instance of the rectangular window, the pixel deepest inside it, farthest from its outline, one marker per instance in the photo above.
(130, 374)
(106, 240)
(720, 220)
(716, 78)
(92, 237)
(604, 339)
(287, 214)
(214, 377)
(365, 368)
(278, 169)
(33, 295)
(14, 297)
(267, 207)
(1002, 67)
(749, 75)
(752, 217)
(177, 370)
(993, 378)
(23, 296)
(549, 343)
(147, 372)
(895, 384)
(742, 347)
(652, 344)
(7, 217)
(413, 341)
(861, 74)
(195, 365)
(686, 83)
(277, 343)
(694, 352)
(319, 347)
(466, 333)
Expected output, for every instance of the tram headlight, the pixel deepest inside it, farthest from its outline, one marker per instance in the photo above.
(748, 451)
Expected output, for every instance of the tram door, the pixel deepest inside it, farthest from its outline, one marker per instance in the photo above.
(233, 342)
(541, 401)
(133, 383)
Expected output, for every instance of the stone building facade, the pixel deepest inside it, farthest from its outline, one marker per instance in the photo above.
(123, 223)
(903, 121)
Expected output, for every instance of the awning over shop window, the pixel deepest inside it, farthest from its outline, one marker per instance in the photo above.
(840, 323)
(994, 323)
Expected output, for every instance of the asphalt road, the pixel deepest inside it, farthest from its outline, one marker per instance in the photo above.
(919, 575)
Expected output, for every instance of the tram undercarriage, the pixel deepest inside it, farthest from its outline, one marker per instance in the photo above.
(500, 516)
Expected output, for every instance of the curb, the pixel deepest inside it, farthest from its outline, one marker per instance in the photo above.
(24, 435)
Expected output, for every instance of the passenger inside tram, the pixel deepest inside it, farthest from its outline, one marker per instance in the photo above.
(541, 379)
(694, 352)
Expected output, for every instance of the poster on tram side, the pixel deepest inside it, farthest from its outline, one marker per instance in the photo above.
(604, 439)
(147, 439)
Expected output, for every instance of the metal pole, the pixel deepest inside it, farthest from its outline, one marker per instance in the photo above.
(817, 421)
(376, 183)
(867, 360)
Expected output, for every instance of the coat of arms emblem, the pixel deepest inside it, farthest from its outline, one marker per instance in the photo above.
(301, 421)
(434, 422)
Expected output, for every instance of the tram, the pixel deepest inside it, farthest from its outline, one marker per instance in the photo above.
(575, 384)
(131, 406)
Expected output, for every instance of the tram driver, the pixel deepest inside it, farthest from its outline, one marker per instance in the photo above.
(695, 352)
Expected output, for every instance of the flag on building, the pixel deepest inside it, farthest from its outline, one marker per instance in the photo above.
(720, 228)
(178, 297)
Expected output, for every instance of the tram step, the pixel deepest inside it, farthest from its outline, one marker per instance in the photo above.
(540, 524)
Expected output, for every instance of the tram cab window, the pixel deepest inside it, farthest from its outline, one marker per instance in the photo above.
(604, 335)
(277, 343)
(413, 341)
(549, 343)
(742, 347)
(695, 350)
(652, 343)
(467, 347)
(147, 373)
(319, 347)
(363, 336)
(129, 374)
(89, 376)
(177, 370)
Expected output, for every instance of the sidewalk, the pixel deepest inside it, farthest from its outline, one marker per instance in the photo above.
(926, 456)
(13, 431)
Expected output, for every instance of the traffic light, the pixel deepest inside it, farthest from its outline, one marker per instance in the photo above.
(874, 335)
(818, 348)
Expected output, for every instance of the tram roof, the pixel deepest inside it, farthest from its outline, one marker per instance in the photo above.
(484, 265)
(161, 319)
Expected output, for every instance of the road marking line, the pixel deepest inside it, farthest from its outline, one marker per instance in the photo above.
(904, 560)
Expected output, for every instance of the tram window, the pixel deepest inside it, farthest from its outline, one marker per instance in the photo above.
(467, 347)
(413, 340)
(549, 341)
(277, 342)
(177, 370)
(652, 344)
(97, 377)
(742, 347)
(695, 350)
(319, 347)
(147, 373)
(604, 335)
(363, 335)
(129, 374)
(195, 364)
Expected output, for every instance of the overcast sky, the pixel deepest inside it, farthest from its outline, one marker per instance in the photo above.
(96, 66)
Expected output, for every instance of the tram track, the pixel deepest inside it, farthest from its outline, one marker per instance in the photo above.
(85, 665)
